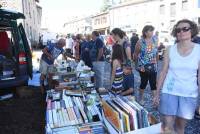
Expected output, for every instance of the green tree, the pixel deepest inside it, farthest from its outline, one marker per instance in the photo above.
(106, 5)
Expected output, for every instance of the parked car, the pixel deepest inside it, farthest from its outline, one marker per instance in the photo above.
(15, 53)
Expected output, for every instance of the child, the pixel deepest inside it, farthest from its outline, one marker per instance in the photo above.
(117, 71)
(128, 82)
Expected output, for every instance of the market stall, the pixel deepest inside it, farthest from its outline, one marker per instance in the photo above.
(75, 106)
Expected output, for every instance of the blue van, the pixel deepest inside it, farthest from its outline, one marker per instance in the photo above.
(15, 53)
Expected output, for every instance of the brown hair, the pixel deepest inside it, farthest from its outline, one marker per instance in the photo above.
(117, 53)
(146, 29)
(119, 32)
(193, 26)
(78, 36)
(96, 33)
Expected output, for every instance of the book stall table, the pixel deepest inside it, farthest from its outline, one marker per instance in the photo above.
(76, 107)
(72, 112)
(73, 76)
(73, 106)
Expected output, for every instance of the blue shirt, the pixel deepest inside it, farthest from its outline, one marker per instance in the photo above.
(85, 55)
(98, 44)
(54, 51)
(83, 46)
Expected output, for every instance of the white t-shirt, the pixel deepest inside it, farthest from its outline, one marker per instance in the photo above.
(181, 79)
(69, 43)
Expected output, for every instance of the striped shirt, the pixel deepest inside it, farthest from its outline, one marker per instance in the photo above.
(118, 80)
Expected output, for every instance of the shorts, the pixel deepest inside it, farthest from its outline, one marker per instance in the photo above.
(148, 77)
(45, 68)
(183, 107)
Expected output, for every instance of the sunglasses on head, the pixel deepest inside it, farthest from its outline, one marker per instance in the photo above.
(184, 29)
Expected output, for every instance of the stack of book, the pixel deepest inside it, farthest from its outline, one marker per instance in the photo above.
(64, 112)
(90, 128)
(77, 93)
(70, 110)
(125, 115)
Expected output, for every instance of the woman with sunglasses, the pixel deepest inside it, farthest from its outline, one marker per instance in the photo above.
(178, 79)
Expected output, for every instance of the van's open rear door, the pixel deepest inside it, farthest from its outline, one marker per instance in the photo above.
(27, 50)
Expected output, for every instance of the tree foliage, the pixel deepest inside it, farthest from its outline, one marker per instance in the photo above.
(106, 5)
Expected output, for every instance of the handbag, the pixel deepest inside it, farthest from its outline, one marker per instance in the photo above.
(149, 68)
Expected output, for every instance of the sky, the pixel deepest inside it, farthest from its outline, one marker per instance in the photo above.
(57, 12)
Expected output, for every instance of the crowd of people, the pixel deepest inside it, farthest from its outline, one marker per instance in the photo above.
(176, 89)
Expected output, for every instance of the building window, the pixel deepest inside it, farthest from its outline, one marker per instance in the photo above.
(173, 9)
(184, 4)
(105, 20)
(102, 20)
(162, 9)
(98, 20)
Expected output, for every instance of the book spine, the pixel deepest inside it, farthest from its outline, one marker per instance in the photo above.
(64, 117)
(53, 105)
(55, 120)
(83, 115)
(70, 102)
(74, 100)
(47, 117)
(70, 116)
(78, 115)
(62, 104)
(74, 115)
(49, 104)
(67, 117)
(58, 117)
(50, 118)
(58, 104)
(78, 102)
(62, 122)
(81, 103)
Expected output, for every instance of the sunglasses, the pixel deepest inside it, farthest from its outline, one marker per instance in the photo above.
(184, 29)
